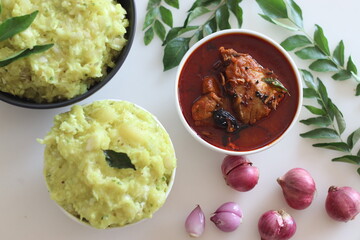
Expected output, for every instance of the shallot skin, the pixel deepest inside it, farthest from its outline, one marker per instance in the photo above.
(298, 188)
(227, 217)
(276, 225)
(195, 222)
(342, 203)
(239, 173)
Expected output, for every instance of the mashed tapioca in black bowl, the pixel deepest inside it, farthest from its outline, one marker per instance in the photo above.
(91, 41)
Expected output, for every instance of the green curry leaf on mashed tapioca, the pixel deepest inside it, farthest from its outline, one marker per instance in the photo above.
(13, 26)
(118, 160)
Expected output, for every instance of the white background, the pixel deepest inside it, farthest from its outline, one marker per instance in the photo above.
(27, 212)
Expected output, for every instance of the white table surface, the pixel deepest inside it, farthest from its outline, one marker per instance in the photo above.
(27, 212)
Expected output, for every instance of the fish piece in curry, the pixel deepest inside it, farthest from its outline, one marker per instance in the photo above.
(249, 89)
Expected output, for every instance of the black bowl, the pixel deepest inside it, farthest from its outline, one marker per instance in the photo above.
(129, 6)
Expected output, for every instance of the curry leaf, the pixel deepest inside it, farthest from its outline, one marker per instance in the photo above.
(351, 66)
(308, 79)
(267, 18)
(321, 40)
(197, 12)
(118, 160)
(222, 17)
(233, 5)
(315, 110)
(317, 121)
(323, 65)
(309, 93)
(353, 138)
(152, 4)
(323, 93)
(348, 159)
(339, 53)
(173, 3)
(174, 51)
(279, 23)
(177, 31)
(342, 75)
(210, 27)
(275, 83)
(149, 36)
(273, 8)
(15, 25)
(337, 146)
(321, 133)
(166, 16)
(150, 17)
(310, 53)
(294, 42)
(295, 14)
(159, 29)
(358, 90)
(25, 53)
(339, 118)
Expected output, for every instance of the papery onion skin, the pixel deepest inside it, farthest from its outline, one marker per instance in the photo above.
(298, 188)
(195, 222)
(227, 217)
(276, 225)
(239, 173)
(342, 203)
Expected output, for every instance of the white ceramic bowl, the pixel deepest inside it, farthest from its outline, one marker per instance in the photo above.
(245, 41)
(170, 185)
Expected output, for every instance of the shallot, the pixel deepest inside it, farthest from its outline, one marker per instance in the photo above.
(276, 225)
(195, 222)
(239, 173)
(298, 188)
(227, 217)
(342, 203)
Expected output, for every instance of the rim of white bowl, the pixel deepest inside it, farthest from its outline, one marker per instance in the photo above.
(170, 185)
(268, 40)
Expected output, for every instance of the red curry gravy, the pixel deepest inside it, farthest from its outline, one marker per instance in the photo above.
(201, 63)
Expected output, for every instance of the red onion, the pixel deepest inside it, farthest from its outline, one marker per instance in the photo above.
(239, 173)
(342, 203)
(227, 217)
(195, 222)
(276, 225)
(298, 188)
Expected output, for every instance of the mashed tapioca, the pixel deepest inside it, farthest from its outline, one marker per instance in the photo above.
(82, 181)
(86, 34)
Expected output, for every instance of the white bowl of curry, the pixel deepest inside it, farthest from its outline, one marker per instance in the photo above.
(238, 92)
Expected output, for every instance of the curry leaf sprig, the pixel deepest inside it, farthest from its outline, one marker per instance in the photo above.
(12, 26)
(216, 14)
(287, 14)
(329, 122)
(158, 18)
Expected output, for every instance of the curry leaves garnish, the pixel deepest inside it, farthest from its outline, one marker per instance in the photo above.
(178, 40)
(287, 14)
(329, 123)
(216, 14)
(118, 160)
(275, 83)
(158, 19)
(15, 25)
(12, 26)
(24, 53)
